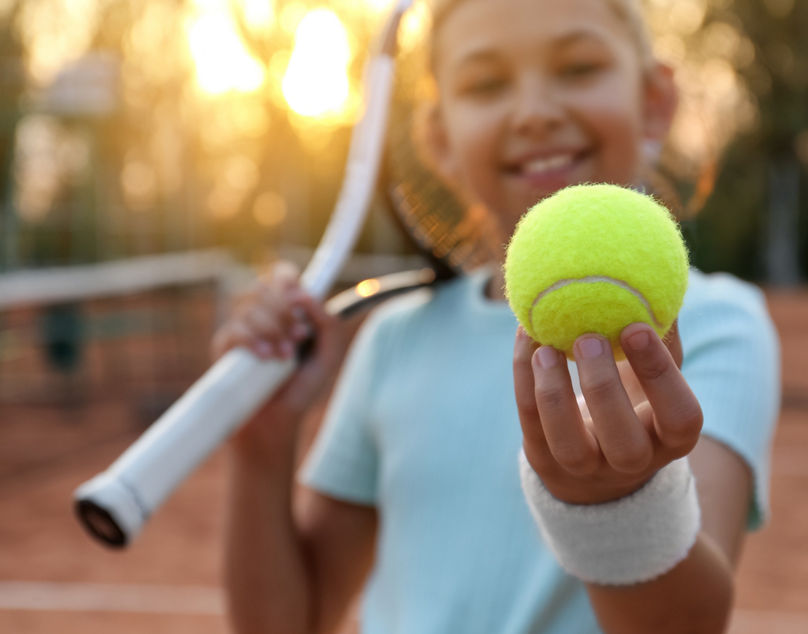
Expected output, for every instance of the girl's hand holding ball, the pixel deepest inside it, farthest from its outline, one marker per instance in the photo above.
(584, 270)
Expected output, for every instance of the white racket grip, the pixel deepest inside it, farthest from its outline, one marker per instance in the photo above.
(143, 476)
(122, 498)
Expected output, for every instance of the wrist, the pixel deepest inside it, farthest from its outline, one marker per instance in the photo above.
(629, 540)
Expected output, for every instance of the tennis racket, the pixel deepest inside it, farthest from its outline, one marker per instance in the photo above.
(115, 505)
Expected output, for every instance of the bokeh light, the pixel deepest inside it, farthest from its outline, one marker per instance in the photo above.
(222, 62)
(316, 82)
(270, 209)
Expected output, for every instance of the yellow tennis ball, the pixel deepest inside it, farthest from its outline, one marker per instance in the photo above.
(594, 259)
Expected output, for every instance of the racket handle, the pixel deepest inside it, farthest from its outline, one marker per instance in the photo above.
(115, 504)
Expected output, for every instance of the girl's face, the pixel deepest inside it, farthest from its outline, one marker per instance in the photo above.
(536, 95)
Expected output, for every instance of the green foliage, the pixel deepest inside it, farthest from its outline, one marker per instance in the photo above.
(731, 230)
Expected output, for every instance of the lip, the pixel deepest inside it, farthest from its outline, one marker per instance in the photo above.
(549, 169)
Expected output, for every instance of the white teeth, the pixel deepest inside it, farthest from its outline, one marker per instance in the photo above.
(538, 166)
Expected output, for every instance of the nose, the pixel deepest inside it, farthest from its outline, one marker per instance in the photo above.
(537, 106)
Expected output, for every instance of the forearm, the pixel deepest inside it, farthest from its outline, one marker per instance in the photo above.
(694, 597)
(266, 579)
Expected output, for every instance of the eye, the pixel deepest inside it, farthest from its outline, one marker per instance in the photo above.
(482, 83)
(580, 70)
(485, 86)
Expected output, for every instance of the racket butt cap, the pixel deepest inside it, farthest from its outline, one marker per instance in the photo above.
(109, 510)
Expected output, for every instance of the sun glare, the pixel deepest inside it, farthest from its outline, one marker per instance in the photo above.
(316, 82)
(222, 62)
(258, 13)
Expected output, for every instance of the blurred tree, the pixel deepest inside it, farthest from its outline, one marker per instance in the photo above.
(203, 148)
(756, 221)
(12, 85)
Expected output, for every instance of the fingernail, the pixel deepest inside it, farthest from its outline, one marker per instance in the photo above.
(639, 340)
(548, 357)
(589, 347)
(298, 314)
(300, 331)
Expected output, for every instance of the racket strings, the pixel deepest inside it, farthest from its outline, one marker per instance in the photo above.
(450, 233)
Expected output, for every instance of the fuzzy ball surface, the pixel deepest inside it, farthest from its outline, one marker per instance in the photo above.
(594, 259)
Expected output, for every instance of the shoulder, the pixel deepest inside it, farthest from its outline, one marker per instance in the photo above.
(722, 291)
(721, 305)
(732, 364)
(418, 308)
(729, 340)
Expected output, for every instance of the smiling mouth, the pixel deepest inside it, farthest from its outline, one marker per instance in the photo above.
(545, 166)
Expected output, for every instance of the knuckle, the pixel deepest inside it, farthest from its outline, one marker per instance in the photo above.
(684, 428)
(632, 458)
(655, 368)
(694, 419)
(542, 461)
(574, 460)
(599, 387)
(260, 320)
(549, 398)
(285, 274)
(522, 353)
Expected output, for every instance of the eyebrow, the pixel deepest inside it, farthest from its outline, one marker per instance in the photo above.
(485, 55)
(482, 55)
(580, 34)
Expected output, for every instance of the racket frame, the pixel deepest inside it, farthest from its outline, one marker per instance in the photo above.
(115, 505)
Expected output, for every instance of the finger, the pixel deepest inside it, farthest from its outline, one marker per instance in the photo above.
(281, 308)
(677, 414)
(264, 323)
(275, 327)
(238, 334)
(278, 319)
(315, 330)
(305, 314)
(285, 274)
(535, 443)
(282, 279)
(571, 444)
(674, 344)
(625, 443)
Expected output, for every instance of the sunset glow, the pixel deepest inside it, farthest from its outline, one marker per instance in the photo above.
(316, 82)
(222, 62)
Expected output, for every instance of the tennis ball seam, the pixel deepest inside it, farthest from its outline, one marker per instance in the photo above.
(595, 279)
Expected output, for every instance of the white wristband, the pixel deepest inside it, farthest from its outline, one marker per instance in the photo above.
(630, 540)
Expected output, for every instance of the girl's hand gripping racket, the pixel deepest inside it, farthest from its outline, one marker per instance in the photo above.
(115, 504)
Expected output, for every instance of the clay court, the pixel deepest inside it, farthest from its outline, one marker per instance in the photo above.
(61, 427)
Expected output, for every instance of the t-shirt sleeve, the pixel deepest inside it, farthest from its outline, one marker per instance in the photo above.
(732, 363)
(343, 460)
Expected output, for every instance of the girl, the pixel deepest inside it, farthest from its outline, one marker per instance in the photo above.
(412, 488)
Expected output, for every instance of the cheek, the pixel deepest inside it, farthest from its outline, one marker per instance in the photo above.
(472, 137)
(616, 123)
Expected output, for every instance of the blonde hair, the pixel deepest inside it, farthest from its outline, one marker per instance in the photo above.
(629, 11)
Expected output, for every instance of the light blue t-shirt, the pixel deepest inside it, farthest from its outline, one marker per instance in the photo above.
(423, 426)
